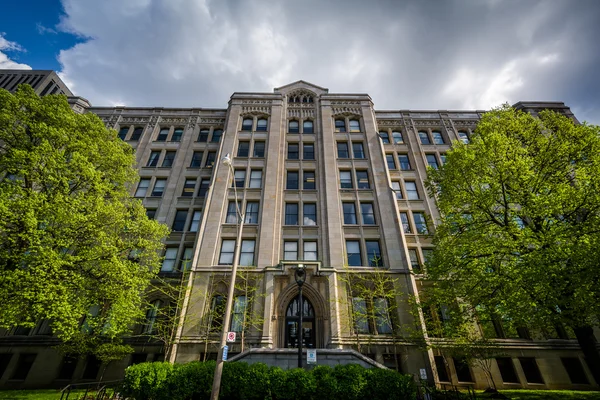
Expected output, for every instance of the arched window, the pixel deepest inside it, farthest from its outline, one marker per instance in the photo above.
(247, 124)
(261, 125)
(310, 99)
(237, 317)
(340, 125)
(307, 127)
(151, 316)
(293, 126)
(305, 99)
(385, 137)
(354, 125)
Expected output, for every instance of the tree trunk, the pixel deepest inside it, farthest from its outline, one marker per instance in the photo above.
(589, 346)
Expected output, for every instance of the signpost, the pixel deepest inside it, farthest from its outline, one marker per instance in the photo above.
(311, 356)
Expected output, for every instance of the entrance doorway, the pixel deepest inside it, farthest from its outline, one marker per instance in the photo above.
(292, 319)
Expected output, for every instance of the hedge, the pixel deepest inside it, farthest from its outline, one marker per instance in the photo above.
(241, 381)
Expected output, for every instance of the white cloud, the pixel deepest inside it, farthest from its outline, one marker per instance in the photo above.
(5, 62)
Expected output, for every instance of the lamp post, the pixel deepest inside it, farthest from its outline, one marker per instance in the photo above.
(240, 217)
(300, 275)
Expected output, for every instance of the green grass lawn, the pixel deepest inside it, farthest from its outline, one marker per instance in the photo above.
(47, 394)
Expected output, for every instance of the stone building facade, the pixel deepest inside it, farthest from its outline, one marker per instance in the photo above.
(326, 181)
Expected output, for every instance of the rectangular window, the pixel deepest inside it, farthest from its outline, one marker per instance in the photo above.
(424, 137)
(309, 180)
(291, 214)
(186, 261)
(310, 251)
(374, 253)
(203, 135)
(259, 149)
(227, 250)
(354, 125)
(243, 149)
(432, 161)
(308, 151)
(232, 214)
(382, 315)
(153, 160)
(137, 133)
(293, 126)
(210, 159)
(255, 178)
(345, 180)
(353, 253)
(309, 214)
(24, 364)
(443, 158)
(420, 223)
(362, 180)
(405, 223)
(307, 127)
(397, 190)
(414, 260)
(397, 137)
(442, 369)
(196, 159)
(342, 150)
(159, 187)
(142, 188)
(195, 223)
(123, 132)
(216, 136)
(385, 137)
(179, 221)
(247, 124)
(368, 215)
(261, 125)
(463, 372)
(358, 150)
(239, 178)
(437, 137)
(252, 212)
(531, 370)
(404, 162)
(411, 190)
(247, 253)
(177, 134)
(427, 254)
(168, 263)
(189, 187)
(203, 189)
(293, 151)
(150, 213)
(67, 367)
(168, 160)
(507, 370)
(463, 137)
(340, 125)
(162, 135)
(290, 250)
(391, 163)
(361, 317)
(574, 369)
(237, 316)
(349, 213)
(292, 180)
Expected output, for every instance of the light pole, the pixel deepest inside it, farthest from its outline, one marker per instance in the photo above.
(300, 275)
(240, 217)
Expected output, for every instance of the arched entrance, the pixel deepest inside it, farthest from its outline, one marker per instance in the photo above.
(292, 319)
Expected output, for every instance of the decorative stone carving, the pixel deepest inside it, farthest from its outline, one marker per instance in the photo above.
(218, 121)
(448, 126)
(176, 120)
(390, 122)
(343, 111)
(346, 103)
(153, 121)
(465, 122)
(257, 101)
(135, 120)
(428, 122)
(256, 110)
(192, 122)
(301, 113)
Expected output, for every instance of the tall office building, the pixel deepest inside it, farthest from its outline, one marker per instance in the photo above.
(326, 181)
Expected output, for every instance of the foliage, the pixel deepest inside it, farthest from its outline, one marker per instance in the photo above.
(74, 242)
(159, 381)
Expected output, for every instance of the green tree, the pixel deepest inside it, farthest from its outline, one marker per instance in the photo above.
(74, 243)
(518, 240)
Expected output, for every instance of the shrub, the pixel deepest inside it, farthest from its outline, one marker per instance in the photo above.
(351, 381)
(385, 384)
(147, 380)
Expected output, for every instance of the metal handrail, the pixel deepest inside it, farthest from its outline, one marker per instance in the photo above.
(100, 389)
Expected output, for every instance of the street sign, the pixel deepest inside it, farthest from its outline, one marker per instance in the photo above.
(311, 356)
(423, 373)
(225, 349)
(230, 337)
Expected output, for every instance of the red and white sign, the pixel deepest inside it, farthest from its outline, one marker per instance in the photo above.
(230, 337)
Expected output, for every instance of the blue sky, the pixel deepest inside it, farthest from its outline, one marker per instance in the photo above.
(411, 54)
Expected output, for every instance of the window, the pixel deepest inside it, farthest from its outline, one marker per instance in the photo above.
(153, 160)
(309, 180)
(196, 159)
(349, 213)
(150, 213)
(531, 370)
(186, 260)
(247, 253)
(383, 324)
(309, 214)
(310, 251)
(217, 309)
(259, 149)
(340, 125)
(358, 150)
(292, 180)
(308, 151)
(574, 369)
(353, 253)
(216, 136)
(411, 190)
(354, 125)
(252, 212)
(123, 133)
(391, 164)
(168, 160)
(237, 316)
(368, 216)
(227, 250)
(162, 135)
(427, 254)
(203, 135)
(463, 137)
(137, 133)
(507, 370)
(397, 137)
(342, 150)
(291, 214)
(239, 178)
(261, 125)
(437, 137)
(177, 134)
(405, 223)
(247, 124)
(443, 158)
(362, 180)
(169, 259)
(359, 308)
(420, 223)
(210, 159)
(397, 190)
(346, 180)
(432, 161)
(24, 364)
(374, 253)
(204, 185)
(232, 214)
(463, 372)
(195, 223)
(385, 137)
(142, 188)
(255, 178)
(243, 149)
(159, 187)
(290, 250)
(307, 127)
(189, 187)
(293, 151)
(179, 221)
(424, 137)
(293, 126)
(414, 260)
(442, 369)
(404, 162)
(67, 367)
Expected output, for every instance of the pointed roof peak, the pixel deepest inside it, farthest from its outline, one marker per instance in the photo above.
(290, 87)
